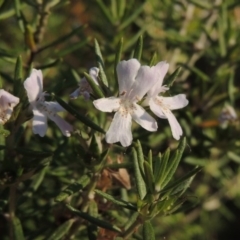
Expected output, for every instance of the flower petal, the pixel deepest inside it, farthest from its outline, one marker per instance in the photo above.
(34, 85)
(144, 119)
(145, 79)
(163, 112)
(120, 130)
(93, 72)
(175, 126)
(107, 104)
(54, 107)
(39, 124)
(8, 99)
(156, 108)
(162, 68)
(75, 94)
(64, 126)
(175, 102)
(126, 72)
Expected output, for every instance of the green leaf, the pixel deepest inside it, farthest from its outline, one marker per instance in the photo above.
(61, 39)
(121, 203)
(148, 177)
(102, 75)
(73, 188)
(171, 79)
(62, 230)
(138, 49)
(103, 157)
(131, 17)
(114, 8)
(160, 168)
(93, 208)
(105, 11)
(140, 156)
(141, 187)
(153, 60)
(17, 229)
(202, 4)
(77, 115)
(133, 40)
(233, 156)
(51, 64)
(20, 19)
(198, 72)
(38, 179)
(121, 7)
(96, 89)
(149, 159)
(100, 62)
(162, 206)
(93, 220)
(148, 231)
(118, 58)
(72, 48)
(173, 162)
(94, 147)
(98, 52)
(181, 180)
(221, 37)
(18, 77)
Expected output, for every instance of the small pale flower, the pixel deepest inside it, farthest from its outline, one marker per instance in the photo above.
(134, 81)
(162, 106)
(84, 87)
(43, 109)
(228, 114)
(7, 103)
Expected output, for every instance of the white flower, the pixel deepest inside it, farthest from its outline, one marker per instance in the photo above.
(42, 109)
(84, 87)
(7, 103)
(162, 106)
(134, 81)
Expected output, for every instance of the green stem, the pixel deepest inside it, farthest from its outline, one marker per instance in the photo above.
(12, 206)
(128, 233)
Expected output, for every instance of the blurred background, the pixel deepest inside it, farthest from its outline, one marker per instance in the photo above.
(201, 37)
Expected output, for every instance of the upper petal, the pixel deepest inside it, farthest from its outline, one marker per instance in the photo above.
(107, 104)
(140, 116)
(162, 68)
(145, 79)
(126, 73)
(176, 102)
(120, 130)
(34, 85)
(64, 126)
(39, 123)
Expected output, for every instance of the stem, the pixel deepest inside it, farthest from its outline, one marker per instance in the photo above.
(12, 205)
(132, 228)
(90, 193)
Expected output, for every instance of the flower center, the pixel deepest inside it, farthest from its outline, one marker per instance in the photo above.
(159, 101)
(126, 107)
(44, 107)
